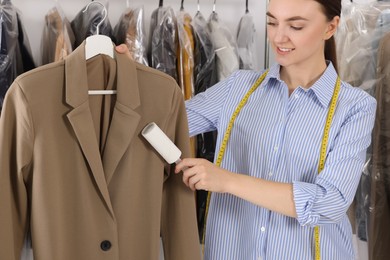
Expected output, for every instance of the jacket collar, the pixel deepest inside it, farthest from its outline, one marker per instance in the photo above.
(77, 83)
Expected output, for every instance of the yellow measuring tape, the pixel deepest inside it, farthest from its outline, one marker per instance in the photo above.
(324, 143)
(321, 164)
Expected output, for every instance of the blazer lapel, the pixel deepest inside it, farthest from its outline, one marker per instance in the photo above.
(125, 120)
(81, 119)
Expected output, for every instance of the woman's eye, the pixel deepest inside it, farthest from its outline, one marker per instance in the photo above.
(271, 23)
(297, 28)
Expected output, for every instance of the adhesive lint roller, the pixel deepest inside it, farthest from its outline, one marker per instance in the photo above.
(161, 142)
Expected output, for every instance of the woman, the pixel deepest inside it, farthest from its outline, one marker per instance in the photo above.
(268, 190)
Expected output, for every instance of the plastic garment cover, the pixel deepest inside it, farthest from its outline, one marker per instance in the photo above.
(225, 47)
(57, 37)
(205, 76)
(85, 24)
(185, 60)
(246, 35)
(205, 67)
(163, 41)
(130, 30)
(15, 52)
(363, 41)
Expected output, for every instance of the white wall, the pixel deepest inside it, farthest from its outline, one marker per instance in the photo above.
(230, 12)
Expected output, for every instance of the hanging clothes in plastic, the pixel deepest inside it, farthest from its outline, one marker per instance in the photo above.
(246, 35)
(185, 60)
(130, 31)
(84, 24)
(225, 47)
(362, 45)
(163, 41)
(205, 76)
(15, 52)
(57, 37)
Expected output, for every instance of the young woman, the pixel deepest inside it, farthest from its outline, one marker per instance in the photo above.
(291, 144)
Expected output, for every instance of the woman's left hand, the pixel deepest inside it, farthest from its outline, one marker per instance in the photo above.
(200, 174)
(122, 49)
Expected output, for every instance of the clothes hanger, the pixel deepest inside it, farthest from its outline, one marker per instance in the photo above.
(247, 7)
(182, 5)
(98, 44)
(198, 7)
(214, 6)
(161, 3)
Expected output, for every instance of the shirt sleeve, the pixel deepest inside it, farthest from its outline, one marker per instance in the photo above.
(327, 200)
(203, 110)
(16, 145)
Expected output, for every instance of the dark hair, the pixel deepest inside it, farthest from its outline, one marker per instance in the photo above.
(331, 9)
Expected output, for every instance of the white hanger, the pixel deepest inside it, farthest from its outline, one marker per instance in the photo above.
(99, 44)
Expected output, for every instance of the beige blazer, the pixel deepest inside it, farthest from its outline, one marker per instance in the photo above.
(75, 172)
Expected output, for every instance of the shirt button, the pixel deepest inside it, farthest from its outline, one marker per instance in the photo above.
(270, 173)
(105, 245)
(276, 148)
(296, 96)
(262, 229)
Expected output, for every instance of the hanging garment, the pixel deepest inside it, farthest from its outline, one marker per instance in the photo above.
(57, 38)
(205, 70)
(205, 76)
(15, 53)
(185, 61)
(130, 30)
(85, 23)
(76, 173)
(225, 47)
(246, 46)
(362, 52)
(163, 41)
(379, 235)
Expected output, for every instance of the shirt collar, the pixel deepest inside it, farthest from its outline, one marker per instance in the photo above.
(322, 88)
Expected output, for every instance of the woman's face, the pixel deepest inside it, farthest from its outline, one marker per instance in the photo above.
(297, 30)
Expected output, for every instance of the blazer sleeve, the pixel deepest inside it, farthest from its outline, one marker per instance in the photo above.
(178, 219)
(16, 147)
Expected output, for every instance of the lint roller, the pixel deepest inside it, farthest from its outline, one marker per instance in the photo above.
(161, 142)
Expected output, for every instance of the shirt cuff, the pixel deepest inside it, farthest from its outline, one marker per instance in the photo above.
(304, 198)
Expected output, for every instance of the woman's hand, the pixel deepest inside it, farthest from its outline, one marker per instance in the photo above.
(122, 49)
(200, 174)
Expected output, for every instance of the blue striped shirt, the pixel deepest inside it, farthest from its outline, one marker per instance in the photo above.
(277, 137)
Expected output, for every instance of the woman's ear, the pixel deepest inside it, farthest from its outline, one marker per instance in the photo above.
(332, 27)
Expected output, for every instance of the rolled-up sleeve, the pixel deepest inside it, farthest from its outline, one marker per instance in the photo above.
(327, 200)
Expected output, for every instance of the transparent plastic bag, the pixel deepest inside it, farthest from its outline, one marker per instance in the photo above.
(15, 51)
(363, 48)
(246, 35)
(85, 24)
(163, 41)
(185, 60)
(130, 30)
(225, 47)
(57, 37)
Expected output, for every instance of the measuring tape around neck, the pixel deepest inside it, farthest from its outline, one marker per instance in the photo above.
(324, 144)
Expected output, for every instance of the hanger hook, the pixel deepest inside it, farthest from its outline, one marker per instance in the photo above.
(182, 5)
(198, 7)
(247, 7)
(214, 6)
(104, 16)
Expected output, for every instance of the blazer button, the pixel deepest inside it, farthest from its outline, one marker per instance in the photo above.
(105, 245)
